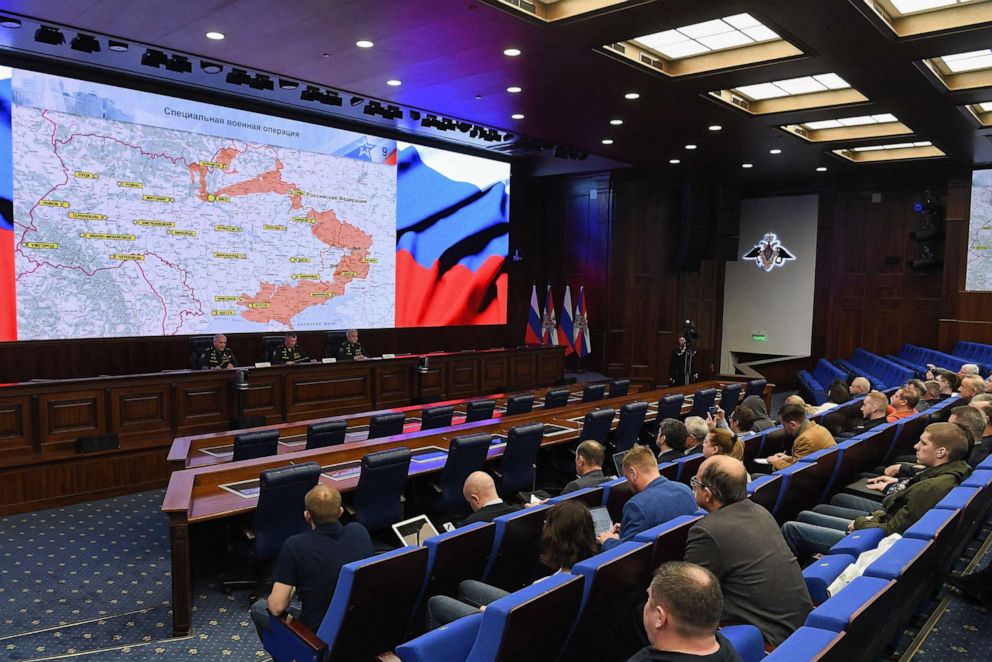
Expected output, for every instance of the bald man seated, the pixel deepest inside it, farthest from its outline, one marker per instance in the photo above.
(859, 386)
(480, 493)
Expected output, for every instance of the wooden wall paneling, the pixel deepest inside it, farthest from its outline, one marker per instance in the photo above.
(394, 385)
(66, 416)
(462, 377)
(523, 373)
(16, 430)
(142, 415)
(325, 394)
(431, 383)
(267, 395)
(493, 374)
(204, 406)
(550, 366)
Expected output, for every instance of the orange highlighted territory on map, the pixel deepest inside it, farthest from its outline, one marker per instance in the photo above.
(8, 298)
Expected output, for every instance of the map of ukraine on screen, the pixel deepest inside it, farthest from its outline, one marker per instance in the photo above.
(134, 214)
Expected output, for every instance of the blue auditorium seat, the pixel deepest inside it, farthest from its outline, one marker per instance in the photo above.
(619, 388)
(516, 546)
(591, 496)
(668, 539)
(519, 404)
(858, 541)
(593, 392)
(702, 401)
(670, 406)
(251, 445)
(746, 640)
(756, 387)
(386, 425)
(516, 466)
(556, 397)
(597, 425)
(730, 396)
(820, 574)
(631, 421)
(432, 418)
(807, 645)
(479, 410)
(378, 501)
(764, 491)
(327, 433)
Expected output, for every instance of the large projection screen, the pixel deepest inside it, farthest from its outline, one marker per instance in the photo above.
(127, 213)
(978, 277)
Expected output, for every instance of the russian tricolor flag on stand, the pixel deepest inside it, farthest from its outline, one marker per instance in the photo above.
(566, 331)
(532, 336)
(582, 346)
(549, 327)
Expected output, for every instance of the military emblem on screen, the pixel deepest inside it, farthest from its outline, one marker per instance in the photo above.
(769, 253)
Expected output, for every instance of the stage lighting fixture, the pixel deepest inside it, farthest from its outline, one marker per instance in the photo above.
(46, 34)
(85, 43)
(330, 98)
(10, 22)
(372, 108)
(262, 82)
(354, 101)
(464, 127)
(288, 84)
(474, 133)
(179, 64)
(211, 67)
(238, 77)
(153, 58)
(415, 115)
(117, 46)
(309, 93)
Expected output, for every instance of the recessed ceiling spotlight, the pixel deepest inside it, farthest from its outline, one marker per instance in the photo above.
(325, 55)
(517, 116)
(674, 161)
(210, 67)
(822, 169)
(616, 122)
(478, 96)
(288, 84)
(10, 22)
(216, 36)
(747, 165)
(512, 52)
(715, 127)
(774, 151)
(364, 43)
(690, 146)
(631, 96)
(514, 89)
(392, 82)
(117, 46)
(607, 141)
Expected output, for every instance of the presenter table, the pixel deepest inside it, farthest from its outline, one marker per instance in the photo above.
(41, 421)
(220, 491)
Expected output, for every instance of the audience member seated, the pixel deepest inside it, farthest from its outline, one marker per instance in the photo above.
(837, 395)
(723, 442)
(762, 421)
(941, 449)
(808, 436)
(567, 538)
(971, 417)
(309, 562)
(671, 438)
(681, 617)
(480, 492)
(740, 542)
(873, 413)
(589, 458)
(983, 443)
(859, 386)
(799, 402)
(696, 430)
(949, 383)
(919, 388)
(218, 356)
(289, 352)
(656, 499)
(968, 369)
(903, 405)
(350, 349)
(931, 395)
(970, 386)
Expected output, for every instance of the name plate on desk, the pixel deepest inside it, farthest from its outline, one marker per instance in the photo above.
(389, 356)
(263, 364)
(328, 360)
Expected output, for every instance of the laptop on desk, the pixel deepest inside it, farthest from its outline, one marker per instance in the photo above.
(414, 531)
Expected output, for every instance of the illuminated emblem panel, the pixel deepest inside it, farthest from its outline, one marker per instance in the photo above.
(769, 253)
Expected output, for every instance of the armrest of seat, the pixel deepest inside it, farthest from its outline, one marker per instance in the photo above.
(820, 574)
(453, 641)
(288, 639)
(858, 541)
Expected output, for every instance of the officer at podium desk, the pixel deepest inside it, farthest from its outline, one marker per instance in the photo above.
(218, 356)
(290, 352)
(351, 349)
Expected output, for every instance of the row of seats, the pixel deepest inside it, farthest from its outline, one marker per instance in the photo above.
(917, 358)
(816, 385)
(977, 353)
(882, 373)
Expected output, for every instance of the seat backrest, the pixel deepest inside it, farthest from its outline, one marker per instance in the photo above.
(465, 454)
(593, 392)
(619, 388)
(670, 406)
(632, 417)
(279, 513)
(668, 539)
(515, 548)
(614, 585)
(519, 404)
(730, 395)
(688, 466)
(372, 604)
(756, 387)
(519, 457)
(436, 417)
(596, 425)
(197, 346)
(557, 397)
(332, 342)
(479, 410)
(269, 346)
(260, 443)
(591, 496)
(808, 644)
(907, 434)
(804, 484)
(455, 556)
(328, 433)
(863, 610)
(531, 624)
(386, 425)
(765, 491)
(746, 640)
(377, 497)
(616, 494)
(702, 401)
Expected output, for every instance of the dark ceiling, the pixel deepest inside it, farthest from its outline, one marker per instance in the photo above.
(449, 52)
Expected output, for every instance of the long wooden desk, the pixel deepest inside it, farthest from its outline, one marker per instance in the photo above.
(196, 495)
(40, 421)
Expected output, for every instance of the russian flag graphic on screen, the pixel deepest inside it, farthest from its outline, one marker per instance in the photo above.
(452, 229)
(8, 306)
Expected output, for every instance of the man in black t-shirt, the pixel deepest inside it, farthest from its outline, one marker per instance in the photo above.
(681, 617)
(218, 356)
(289, 352)
(310, 562)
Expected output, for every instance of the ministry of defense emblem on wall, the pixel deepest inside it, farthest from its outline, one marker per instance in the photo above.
(769, 253)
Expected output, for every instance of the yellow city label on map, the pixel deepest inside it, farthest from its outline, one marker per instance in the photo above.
(370, 260)
(306, 276)
(322, 294)
(215, 313)
(158, 198)
(101, 235)
(213, 164)
(86, 175)
(223, 198)
(87, 217)
(299, 259)
(979, 247)
(231, 256)
(227, 228)
(127, 256)
(296, 191)
(304, 219)
(258, 305)
(124, 184)
(222, 297)
(273, 227)
(53, 203)
(40, 244)
(154, 224)
(348, 274)
(181, 233)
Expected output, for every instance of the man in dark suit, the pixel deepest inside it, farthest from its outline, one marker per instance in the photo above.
(740, 543)
(480, 492)
(671, 440)
(589, 458)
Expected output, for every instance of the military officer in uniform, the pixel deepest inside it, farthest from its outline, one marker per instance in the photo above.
(289, 352)
(351, 349)
(219, 356)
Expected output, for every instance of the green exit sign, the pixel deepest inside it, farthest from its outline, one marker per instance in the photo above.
(759, 337)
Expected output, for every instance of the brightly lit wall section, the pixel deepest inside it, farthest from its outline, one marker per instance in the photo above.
(127, 213)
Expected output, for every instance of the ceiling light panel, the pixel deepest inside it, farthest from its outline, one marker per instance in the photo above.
(923, 149)
(913, 6)
(793, 87)
(858, 127)
(962, 71)
(908, 18)
(708, 36)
